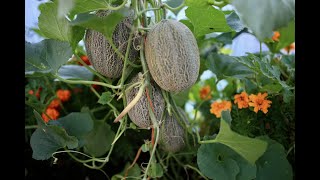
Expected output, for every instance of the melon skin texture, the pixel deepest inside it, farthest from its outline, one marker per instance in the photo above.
(172, 55)
(101, 55)
(172, 134)
(139, 114)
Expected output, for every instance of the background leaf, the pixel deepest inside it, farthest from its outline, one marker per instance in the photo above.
(234, 22)
(241, 144)
(49, 138)
(225, 66)
(64, 6)
(214, 162)
(263, 17)
(99, 140)
(82, 6)
(55, 27)
(46, 56)
(43, 145)
(76, 124)
(105, 25)
(174, 4)
(75, 72)
(287, 36)
(205, 18)
(274, 164)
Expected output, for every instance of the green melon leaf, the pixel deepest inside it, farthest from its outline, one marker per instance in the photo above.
(105, 25)
(264, 17)
(49, 138)
(46, 56)
(99, 140)
(205, 18)
(274, 164)
(54, 27)
(249, 148)
(75, 72)
(214, 161)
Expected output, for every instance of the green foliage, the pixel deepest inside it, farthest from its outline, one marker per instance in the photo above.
(234, 22)
(46, 56)
(98, 141)
(49, 138)
(105, 98)
(214, 162)
(263, 17)
(274, 164)
(77, 124)
(105, 25)
(224, 66)
(75, 72)
(240, 145)
(287, 36)
(205, 18)
(54, 27)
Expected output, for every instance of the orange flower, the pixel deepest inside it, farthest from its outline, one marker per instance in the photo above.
(276, 36)
(52, 113)
(242, 100)
(63, 95)
(85, 59)
(205, 93)
(54, 104)
(259, 102)
(38, 92)
(289, 48)
(31, 92)
(218, 107)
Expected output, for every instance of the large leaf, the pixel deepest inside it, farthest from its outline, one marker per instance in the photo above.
(205, 18)
(263, 17)
(215, 162)
(234, 22)
(99, 140)
(174, 4)
(287, 36)
(82, 6)
(225, 66)
(249, 148)
(105, 25)
(64, 6)
(49, 138)
(75, 72)
(43, 145)
(46, 56)
(55, 27)
(76, 124)
(274, 164)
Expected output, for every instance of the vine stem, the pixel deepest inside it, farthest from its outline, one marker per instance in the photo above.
(133, 163)
(174, 9)
(197, 170)
(132, 103)
(126, 58)
(31, 127)
(87, 82)
(118, 7)
(91, 70)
